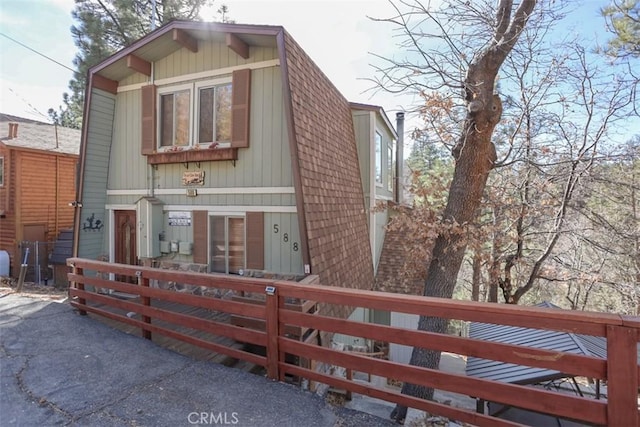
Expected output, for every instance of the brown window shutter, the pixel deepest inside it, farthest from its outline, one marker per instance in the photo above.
(240, 99)
(255, 240)
(148, 119)
(200, 236)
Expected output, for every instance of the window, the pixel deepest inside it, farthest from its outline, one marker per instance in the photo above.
(178, 120)
(390, 166)
(378, 158)
(211, 106)
(1, 171)
(175, 118)
(214, 114)
(227, 242)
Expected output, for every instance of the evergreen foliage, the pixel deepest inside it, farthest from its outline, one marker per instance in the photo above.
(106, 26)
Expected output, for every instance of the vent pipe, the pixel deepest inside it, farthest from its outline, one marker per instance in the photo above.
(400, 157)
(13, 130)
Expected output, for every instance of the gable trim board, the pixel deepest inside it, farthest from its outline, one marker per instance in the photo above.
(227, 209)
(204, 190)
(203, 75)
(330, 207)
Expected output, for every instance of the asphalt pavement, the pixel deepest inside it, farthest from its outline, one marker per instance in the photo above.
(58, 368)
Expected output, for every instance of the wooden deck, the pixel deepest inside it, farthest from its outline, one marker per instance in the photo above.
(173, 344)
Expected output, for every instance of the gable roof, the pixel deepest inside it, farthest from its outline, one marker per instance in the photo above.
(37, 135)
(380, 112)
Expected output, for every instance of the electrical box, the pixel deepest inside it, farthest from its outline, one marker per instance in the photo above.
(186, 248)
(164, 247)
(149, 216)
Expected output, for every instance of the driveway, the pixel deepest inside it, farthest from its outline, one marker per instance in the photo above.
(59, 368)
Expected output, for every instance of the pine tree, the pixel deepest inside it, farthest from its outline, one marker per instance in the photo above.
(106, 26)
(623, 20)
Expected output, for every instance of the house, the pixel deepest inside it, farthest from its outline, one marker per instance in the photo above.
(38, 164)
(224, 148)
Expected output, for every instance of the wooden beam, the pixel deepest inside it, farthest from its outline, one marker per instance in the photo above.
(138, 64)
(237, 45)
(186, 40)
(100, 82)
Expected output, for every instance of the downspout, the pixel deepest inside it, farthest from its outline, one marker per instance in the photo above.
(151, 175)
(57, 197)
(399, 157)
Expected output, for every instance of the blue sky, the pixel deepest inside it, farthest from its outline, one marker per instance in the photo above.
(336, 34)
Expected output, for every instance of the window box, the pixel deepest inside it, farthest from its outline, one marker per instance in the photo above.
(202, 155)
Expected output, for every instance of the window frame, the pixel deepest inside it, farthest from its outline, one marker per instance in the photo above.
(378, 158)
(194, 113)
(390, 165)
(205, 85)
(167, 90)
(1, 171)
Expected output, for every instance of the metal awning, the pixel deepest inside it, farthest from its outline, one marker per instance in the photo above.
(537, 338)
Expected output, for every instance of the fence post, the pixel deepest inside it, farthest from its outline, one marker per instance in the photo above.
(622, 376)
(146, 301)
(79, 286)
(272, 329)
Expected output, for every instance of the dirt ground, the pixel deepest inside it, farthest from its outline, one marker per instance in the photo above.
(9, 286)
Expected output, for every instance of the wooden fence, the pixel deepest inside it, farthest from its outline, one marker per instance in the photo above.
(619, 370)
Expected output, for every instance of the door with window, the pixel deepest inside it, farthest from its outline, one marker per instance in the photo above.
(125, 240)
(227, 240)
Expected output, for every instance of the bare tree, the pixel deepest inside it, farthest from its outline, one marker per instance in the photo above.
(478, 38)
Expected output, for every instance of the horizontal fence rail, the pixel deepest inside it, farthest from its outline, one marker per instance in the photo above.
(284, 329)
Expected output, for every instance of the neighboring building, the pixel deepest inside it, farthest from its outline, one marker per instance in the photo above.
(225, 146)
(38, 164)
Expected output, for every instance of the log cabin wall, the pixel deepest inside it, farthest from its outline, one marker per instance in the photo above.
(39, 163)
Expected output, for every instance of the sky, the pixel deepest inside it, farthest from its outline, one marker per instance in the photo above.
(338, 35)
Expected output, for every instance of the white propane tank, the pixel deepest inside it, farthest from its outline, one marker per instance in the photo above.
(4, 264)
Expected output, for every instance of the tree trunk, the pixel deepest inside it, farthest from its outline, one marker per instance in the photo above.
(475, 277)
(475, 155)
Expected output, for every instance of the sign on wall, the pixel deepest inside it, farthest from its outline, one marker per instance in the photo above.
(179, 218)
(193, 178)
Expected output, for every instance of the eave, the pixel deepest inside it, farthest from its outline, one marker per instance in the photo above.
(139, 56)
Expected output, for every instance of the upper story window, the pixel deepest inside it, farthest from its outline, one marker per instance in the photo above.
(210, 121)
(214, 114)
(390, 165)
(1, 171)
(175, 118)
(178, 120)
(378, 142)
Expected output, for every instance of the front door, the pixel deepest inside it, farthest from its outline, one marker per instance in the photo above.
(125, 240)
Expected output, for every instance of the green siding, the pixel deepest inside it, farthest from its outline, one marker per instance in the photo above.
(280, 251)
(115, 163)
(280, 254)
(362, 128)
(211, 199)
(210, 56)
(381, 219)
(386, 138)
(92, 242)
(266, 163)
